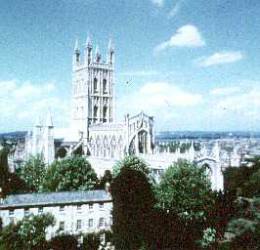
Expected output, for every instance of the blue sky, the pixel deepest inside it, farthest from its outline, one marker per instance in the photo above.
(194, 65)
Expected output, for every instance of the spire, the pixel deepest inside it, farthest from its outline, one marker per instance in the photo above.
(76, 48)
(49, 122)
(110, 45)
(98, 55)
(110, 56)
(97, 50)
(38, 122)
(88, 42)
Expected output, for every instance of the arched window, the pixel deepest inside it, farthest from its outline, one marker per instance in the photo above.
(95, 85)
(105, 86)
(105, 114)
(95, 113)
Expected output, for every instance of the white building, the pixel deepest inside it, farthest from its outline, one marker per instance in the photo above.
(75, 213)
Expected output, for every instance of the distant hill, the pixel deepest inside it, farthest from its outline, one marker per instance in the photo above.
(13, 135)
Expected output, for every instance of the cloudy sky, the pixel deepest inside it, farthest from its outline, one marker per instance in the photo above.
(194, 65)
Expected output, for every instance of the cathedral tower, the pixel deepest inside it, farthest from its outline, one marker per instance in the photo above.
(92, 87)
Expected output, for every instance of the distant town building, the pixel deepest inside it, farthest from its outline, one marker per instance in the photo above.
(75, 213)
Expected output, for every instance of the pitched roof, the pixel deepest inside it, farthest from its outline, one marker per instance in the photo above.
(56, 198)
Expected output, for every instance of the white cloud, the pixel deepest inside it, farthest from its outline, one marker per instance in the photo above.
(224, 91)
(157, 97)
(158, 3)
(22, 102)
(186, 36)
(220, 58)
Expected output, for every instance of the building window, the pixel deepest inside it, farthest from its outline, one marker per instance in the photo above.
(104, 86)
(62, 225)
(78, 225)
(95, 113)
(101, 205)
(11, 212)
(104, 114)
(26, 212)
(40, 210)
(95, 85)
(90, 206)
(101, 222)
(90, 223)
(62, 208)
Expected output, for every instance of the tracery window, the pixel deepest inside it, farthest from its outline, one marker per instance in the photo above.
(105, 86)
(95, 85)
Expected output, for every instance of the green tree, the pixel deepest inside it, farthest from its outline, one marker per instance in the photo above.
(4, 169)
(133, 200)
(185, 190)
(91, 241)
(63, 242)
(106, 178)
(33, 172)
(69, 174)
(9, 182)
(243, 181)
(27, 234)
(133, 162)
(243, 231)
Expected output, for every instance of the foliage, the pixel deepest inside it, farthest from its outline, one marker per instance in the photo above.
(209, 237)
(69, 174)
(132, 162)
(106, 178)
(4, 169)
(243, 232)
(33, 172)
(27, 234)
(243, 181)
(17, 185)
(185, 190)
(63, 242)
(133, 200)
(9, 182)
(91, 241)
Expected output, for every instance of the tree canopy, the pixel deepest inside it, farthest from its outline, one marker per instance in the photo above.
(33, 172)
(70, 174)
(133, 162)
(28, 233)
(132, 200)
(185, 190)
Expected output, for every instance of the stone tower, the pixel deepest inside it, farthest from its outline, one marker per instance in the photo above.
(92, 87)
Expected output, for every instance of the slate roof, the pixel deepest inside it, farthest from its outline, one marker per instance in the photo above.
(56, 198)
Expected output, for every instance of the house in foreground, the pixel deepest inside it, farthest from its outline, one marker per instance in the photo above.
(75, 213)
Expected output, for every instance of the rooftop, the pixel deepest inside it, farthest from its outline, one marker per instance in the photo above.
(56, 198)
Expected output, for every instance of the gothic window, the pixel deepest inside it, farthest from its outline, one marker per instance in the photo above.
(104, 114)
(105, 86)
(95, 85)
(95, 113)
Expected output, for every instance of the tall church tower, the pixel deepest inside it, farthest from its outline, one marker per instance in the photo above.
(92, 87)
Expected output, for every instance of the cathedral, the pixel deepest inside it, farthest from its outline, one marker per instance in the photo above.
(94, 132)
(93, 129)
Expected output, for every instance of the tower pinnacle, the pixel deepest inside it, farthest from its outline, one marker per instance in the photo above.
(97, 54)
(76, 48)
